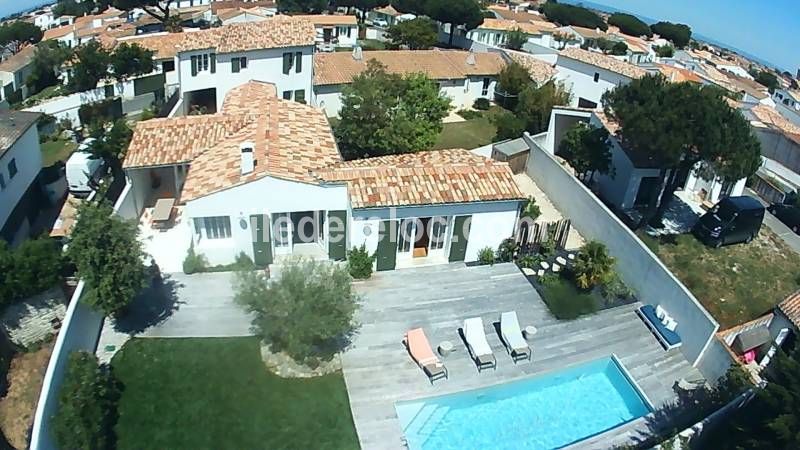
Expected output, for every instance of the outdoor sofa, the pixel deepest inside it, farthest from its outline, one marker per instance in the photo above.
(669, 339)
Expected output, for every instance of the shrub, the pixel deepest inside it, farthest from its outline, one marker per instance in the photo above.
(507, 250)
(469, 115)
(359, 262)
(529, 261)
(100, 111)
(486, 256)
(593, 265)
(615, 288)
(31, 268)
(307, 312)
(242, 262)
(481, 104)
(531, 209)
(194, 262)
(547, 247)
(87, 406)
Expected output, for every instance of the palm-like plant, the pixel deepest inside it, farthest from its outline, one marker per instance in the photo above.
(593, 265)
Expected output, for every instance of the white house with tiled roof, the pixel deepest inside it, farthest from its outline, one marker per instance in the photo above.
(463, 76)
(494, 32)
(264, 177)
(588, 74)
(20, 164)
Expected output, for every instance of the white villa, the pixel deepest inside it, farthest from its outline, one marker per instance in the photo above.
(20, 164)
(588, 75)
(495, 32)
(462, 76)
(263, 176)
(334, 30)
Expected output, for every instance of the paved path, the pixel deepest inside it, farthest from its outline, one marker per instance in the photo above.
(789, 237)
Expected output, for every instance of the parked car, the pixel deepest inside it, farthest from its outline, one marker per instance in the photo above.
(380, 23)
(81, 168)
(788, 214)
(732, 220)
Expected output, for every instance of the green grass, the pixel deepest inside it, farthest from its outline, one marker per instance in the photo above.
(566, 301)
(58, 150)
(735, 283)
(469, 134)
(217, 394)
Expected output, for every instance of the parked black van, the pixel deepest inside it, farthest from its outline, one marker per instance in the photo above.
(732, 220)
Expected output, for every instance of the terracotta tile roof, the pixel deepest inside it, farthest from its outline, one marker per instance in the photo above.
(329, 19)
(540, 71)
(715, 76)
(604, 62)
(276, 32)
(610, 124)
(164, 45)
(231, 4)
(341, 68)
(589, 33)
(18, 60)
(508, 25)
(771, 117)
(505, 13)
(634, 44)
(790, 307)
(678, 74)
(388, 10)
(230, 13)
(57, 32)
(290, 140)
(751, 87)
(423, 178)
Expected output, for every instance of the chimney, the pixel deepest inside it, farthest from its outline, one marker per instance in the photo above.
(248, 162)
(471, 58)
(358, 55)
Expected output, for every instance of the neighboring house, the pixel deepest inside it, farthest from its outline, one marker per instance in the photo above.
(780, 150)
(674, 74)
(264, 177)
(750, 90)
(787, 97)
(639, 50)
(494, 32)
(384, 16)
(339, 31)
(634, 176)
(588, 75)
(720, 63)
(583, 37)
(20, 163)
(238, 15)
(462, 76)
(14, 71)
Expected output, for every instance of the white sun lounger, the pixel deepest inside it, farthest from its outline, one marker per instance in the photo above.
(512, 337)
(477, 344)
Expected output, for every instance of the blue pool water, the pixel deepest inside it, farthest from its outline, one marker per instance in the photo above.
(545, 412)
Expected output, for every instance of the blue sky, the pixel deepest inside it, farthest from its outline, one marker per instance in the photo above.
(765, 28)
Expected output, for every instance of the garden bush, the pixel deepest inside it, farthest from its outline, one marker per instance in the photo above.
(194, 262)
(529, 261)
(507, 250)
(87, 405)
(307, 312)
(486, 256)
(531, 209)
(469, 115)
(614, 288)
(481, 104)
(359, 262)
(31, 268)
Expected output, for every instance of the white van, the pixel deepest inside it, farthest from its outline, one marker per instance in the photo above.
(81, 168)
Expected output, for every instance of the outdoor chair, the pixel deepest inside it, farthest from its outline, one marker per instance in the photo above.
(511, 335)
(421, 352)
(479, 349)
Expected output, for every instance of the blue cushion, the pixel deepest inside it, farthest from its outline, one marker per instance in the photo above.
(671, 337)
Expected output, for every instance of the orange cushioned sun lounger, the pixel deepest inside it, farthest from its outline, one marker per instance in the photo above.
(420, 350)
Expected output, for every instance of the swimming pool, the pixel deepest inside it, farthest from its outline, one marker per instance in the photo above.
(544, 412)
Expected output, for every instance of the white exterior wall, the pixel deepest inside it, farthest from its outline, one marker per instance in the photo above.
(343, 40)
(713, 187)
(265, 196)
(262, 65)
(329, 98)
(489, 230)
(579, 78)
(28, 158)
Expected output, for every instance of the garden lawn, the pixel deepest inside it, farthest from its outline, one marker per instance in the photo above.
(735, 283)
(58, 150)
(468, 134)
(216, 393)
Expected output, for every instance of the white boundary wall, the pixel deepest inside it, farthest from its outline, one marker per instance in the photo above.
(80, 331)
(638, 266)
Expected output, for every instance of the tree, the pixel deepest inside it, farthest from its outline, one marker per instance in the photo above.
(466, 13)
(157, 9)
(572, 15)
(14, 35)
(593, 265)
(108, 255)
(629, 24)
(664, 51)
(110, 146)
(511, 80)
(678, 33)
(767, 79)
(87, 404)
(587, 149)
(80, 7)
(619, 49)
(131, 60)
(91, 66)
(30, 269)
(302, 6)
(515, 39)
(48, 57)
(680, 125)
(362, 6)
(416, 34)
(307, 312)
(536, 103)
(386, 113)
(508, 125)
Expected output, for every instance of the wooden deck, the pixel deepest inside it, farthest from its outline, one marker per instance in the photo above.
(379, 372)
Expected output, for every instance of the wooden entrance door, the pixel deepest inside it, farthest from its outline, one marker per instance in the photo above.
(262, 241)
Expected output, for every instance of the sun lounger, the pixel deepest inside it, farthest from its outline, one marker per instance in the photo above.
(511, 334)
(420, 350)
(669, 339)
(478, 347)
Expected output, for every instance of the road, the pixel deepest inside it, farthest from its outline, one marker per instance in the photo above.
(777, 227)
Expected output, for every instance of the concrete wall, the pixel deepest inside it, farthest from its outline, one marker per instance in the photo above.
(637, 265)
(776, 146)
(28, 158)
(265, 196)
(66, 107)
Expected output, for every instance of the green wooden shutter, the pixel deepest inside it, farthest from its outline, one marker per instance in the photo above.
(298, 62)
(262, 240)
(458, 246)
(287, 63)
(194, 65)
(213, 63)
(337, 244)
(235, 65)
(387, 245)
